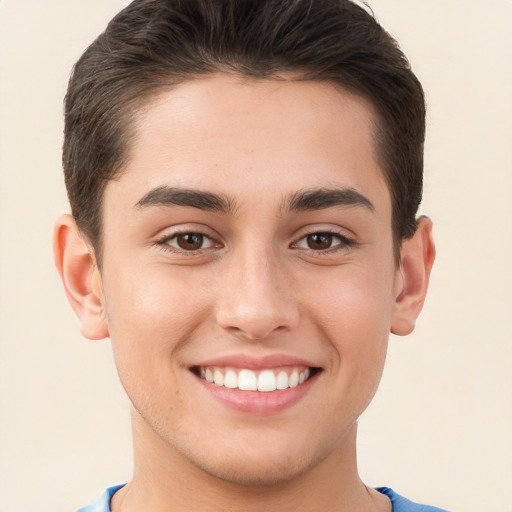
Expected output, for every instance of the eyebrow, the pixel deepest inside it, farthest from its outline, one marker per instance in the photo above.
(319, 199)
(305, 200)
(171, 196)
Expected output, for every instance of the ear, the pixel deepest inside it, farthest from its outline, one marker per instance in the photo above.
(77, 267)
(417, 257)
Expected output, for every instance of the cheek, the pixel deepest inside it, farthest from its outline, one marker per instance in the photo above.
(353, 312)
(353, 298)
(151, 315)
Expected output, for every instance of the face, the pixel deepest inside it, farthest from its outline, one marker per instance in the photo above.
(248, 275)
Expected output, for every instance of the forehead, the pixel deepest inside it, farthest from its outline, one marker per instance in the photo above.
(242, 136)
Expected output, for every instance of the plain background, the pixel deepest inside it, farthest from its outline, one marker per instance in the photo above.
(440, 427)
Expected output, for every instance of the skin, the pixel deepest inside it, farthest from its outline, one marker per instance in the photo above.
(256, 286)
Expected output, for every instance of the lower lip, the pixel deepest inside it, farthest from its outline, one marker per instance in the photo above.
(258, 402)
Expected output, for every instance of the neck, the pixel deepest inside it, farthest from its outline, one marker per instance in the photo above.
(165, 480)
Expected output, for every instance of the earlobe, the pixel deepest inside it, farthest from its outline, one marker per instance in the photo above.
(417, 258)
(80, 277)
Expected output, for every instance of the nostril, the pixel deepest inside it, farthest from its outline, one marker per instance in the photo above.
(257, 331)
(256, 323)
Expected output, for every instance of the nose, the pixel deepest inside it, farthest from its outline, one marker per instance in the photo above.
(256, 297)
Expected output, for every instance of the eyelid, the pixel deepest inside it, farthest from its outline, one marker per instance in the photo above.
(204, 238)
(346, 241)
(162, 241)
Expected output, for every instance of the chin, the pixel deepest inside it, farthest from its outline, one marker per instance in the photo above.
(254, 473)
(257, 462)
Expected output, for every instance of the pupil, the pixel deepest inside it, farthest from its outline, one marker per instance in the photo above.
(320, 241)
(190, 241)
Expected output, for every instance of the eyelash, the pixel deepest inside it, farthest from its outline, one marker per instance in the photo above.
(344, 242)
(163, 242)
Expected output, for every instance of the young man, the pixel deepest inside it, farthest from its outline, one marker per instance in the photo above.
(244, 178)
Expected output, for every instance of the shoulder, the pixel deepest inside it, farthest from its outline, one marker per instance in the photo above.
(401, 504)
(102, 502)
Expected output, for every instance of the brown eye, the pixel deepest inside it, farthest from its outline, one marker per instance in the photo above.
(319, 241)
(323, 242)
(190, 241)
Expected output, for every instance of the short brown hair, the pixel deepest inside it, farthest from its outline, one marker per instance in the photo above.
(156, 44)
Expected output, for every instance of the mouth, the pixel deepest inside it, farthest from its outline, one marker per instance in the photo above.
(265, 380)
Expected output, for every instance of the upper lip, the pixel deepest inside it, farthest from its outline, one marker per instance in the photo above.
(256, 363)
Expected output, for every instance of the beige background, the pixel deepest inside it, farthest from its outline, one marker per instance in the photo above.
(440, 429)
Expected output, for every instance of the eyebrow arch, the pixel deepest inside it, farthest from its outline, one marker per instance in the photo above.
(318, 199)
(171, 196)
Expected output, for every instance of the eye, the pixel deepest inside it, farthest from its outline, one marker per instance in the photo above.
(319, 241)
(322, 241)
(188, 242)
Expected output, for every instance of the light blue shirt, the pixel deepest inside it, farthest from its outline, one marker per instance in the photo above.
(400, 504)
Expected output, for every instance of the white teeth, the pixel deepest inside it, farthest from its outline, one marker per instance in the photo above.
(282, 380)
(247, 380)
(230, 379)
(218, 378)
(293, 380)
(267, 381)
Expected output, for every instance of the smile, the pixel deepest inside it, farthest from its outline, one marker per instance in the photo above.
(265, 380)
